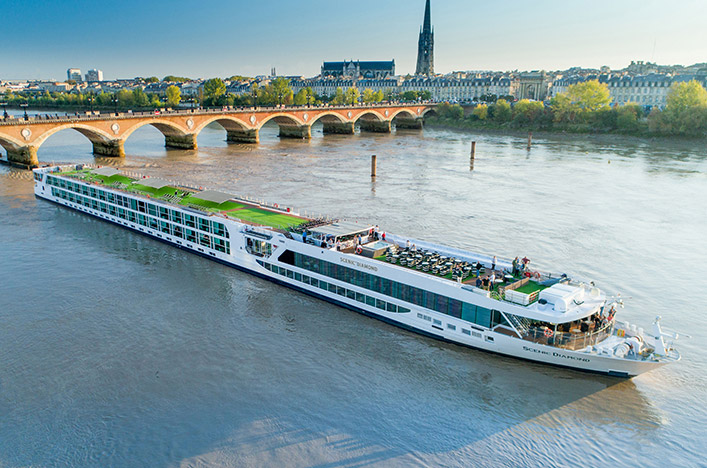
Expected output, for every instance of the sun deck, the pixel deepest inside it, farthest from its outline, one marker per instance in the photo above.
(203, 200)
(501, 283)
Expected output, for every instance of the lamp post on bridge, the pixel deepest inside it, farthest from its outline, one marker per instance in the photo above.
(255, 97)
(24, 106)
(114, 100)
(90, 102)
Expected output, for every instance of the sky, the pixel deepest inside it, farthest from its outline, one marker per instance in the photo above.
(209, 38)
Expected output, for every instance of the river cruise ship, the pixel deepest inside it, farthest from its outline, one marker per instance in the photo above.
(454, 295)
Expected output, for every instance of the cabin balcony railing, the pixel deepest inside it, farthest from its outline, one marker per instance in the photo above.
(568, 340)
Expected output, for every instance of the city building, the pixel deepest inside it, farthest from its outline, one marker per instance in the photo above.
(649, 90)
(357, 69)
(425, 46)
(461, 90)
(74, 74)
(94, 75)
(533, 85)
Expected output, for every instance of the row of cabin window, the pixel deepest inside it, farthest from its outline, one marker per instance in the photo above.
(144, 207)
(450, 326)
(258, 247)
(420, 297)
(357, 296)
(190, 235)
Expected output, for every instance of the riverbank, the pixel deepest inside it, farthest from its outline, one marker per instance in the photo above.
(512, 129)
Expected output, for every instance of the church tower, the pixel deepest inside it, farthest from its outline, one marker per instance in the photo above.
(425, 46)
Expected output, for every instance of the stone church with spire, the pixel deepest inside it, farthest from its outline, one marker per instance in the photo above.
(425, 46)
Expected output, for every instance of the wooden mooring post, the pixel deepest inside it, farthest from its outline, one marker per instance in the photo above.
(530, 139)
(373, 165)
(472, 156)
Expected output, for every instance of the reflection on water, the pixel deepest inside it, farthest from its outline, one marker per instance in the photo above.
(119, 350)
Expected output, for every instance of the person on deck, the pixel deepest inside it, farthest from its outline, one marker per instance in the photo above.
(493, 263)
(492, 281)
(526, 262)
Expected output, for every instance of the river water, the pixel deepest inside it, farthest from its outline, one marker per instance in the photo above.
(117, 350)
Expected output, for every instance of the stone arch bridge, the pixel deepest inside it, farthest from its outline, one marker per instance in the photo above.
(108, 132)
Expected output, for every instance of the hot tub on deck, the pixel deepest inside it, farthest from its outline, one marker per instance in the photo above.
(375, 249)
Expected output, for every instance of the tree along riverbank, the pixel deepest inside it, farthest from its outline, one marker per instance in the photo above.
(586, 109)
(494, 128)
(577, 129)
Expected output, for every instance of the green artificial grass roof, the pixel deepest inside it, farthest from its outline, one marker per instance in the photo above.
(530, 287)
(268, 218)
(233, 209)
(225, 206)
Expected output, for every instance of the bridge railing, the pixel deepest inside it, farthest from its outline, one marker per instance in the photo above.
(86, 116)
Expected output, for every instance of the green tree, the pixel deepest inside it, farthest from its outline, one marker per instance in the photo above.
(301, 97)
(140, 99)
(239, 78)
(174, 96)
(581, 101)
(527, 112)
(304, 96)
(125, 98)
(338, 98)
(409, 96)
(368, 96)
(627, 117)
(446, 110)
(686, 109)
(175, 79)
(281, 91)
(683, 96)
(152, 79)
(214, 89)
(351, 95)
(378, 96)
(589, 95)
(481, 112)
(255, 93)
(563, 109)
(502, 111)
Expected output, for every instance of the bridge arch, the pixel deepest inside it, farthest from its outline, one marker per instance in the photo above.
(229, 124)
(167, 128)
(94, 135)
(403, 113)
(430, 111)
(328, 117)
(9, 144)
(281, 119)
(369, 115)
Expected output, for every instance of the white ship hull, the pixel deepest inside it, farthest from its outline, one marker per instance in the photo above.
(384, 307)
